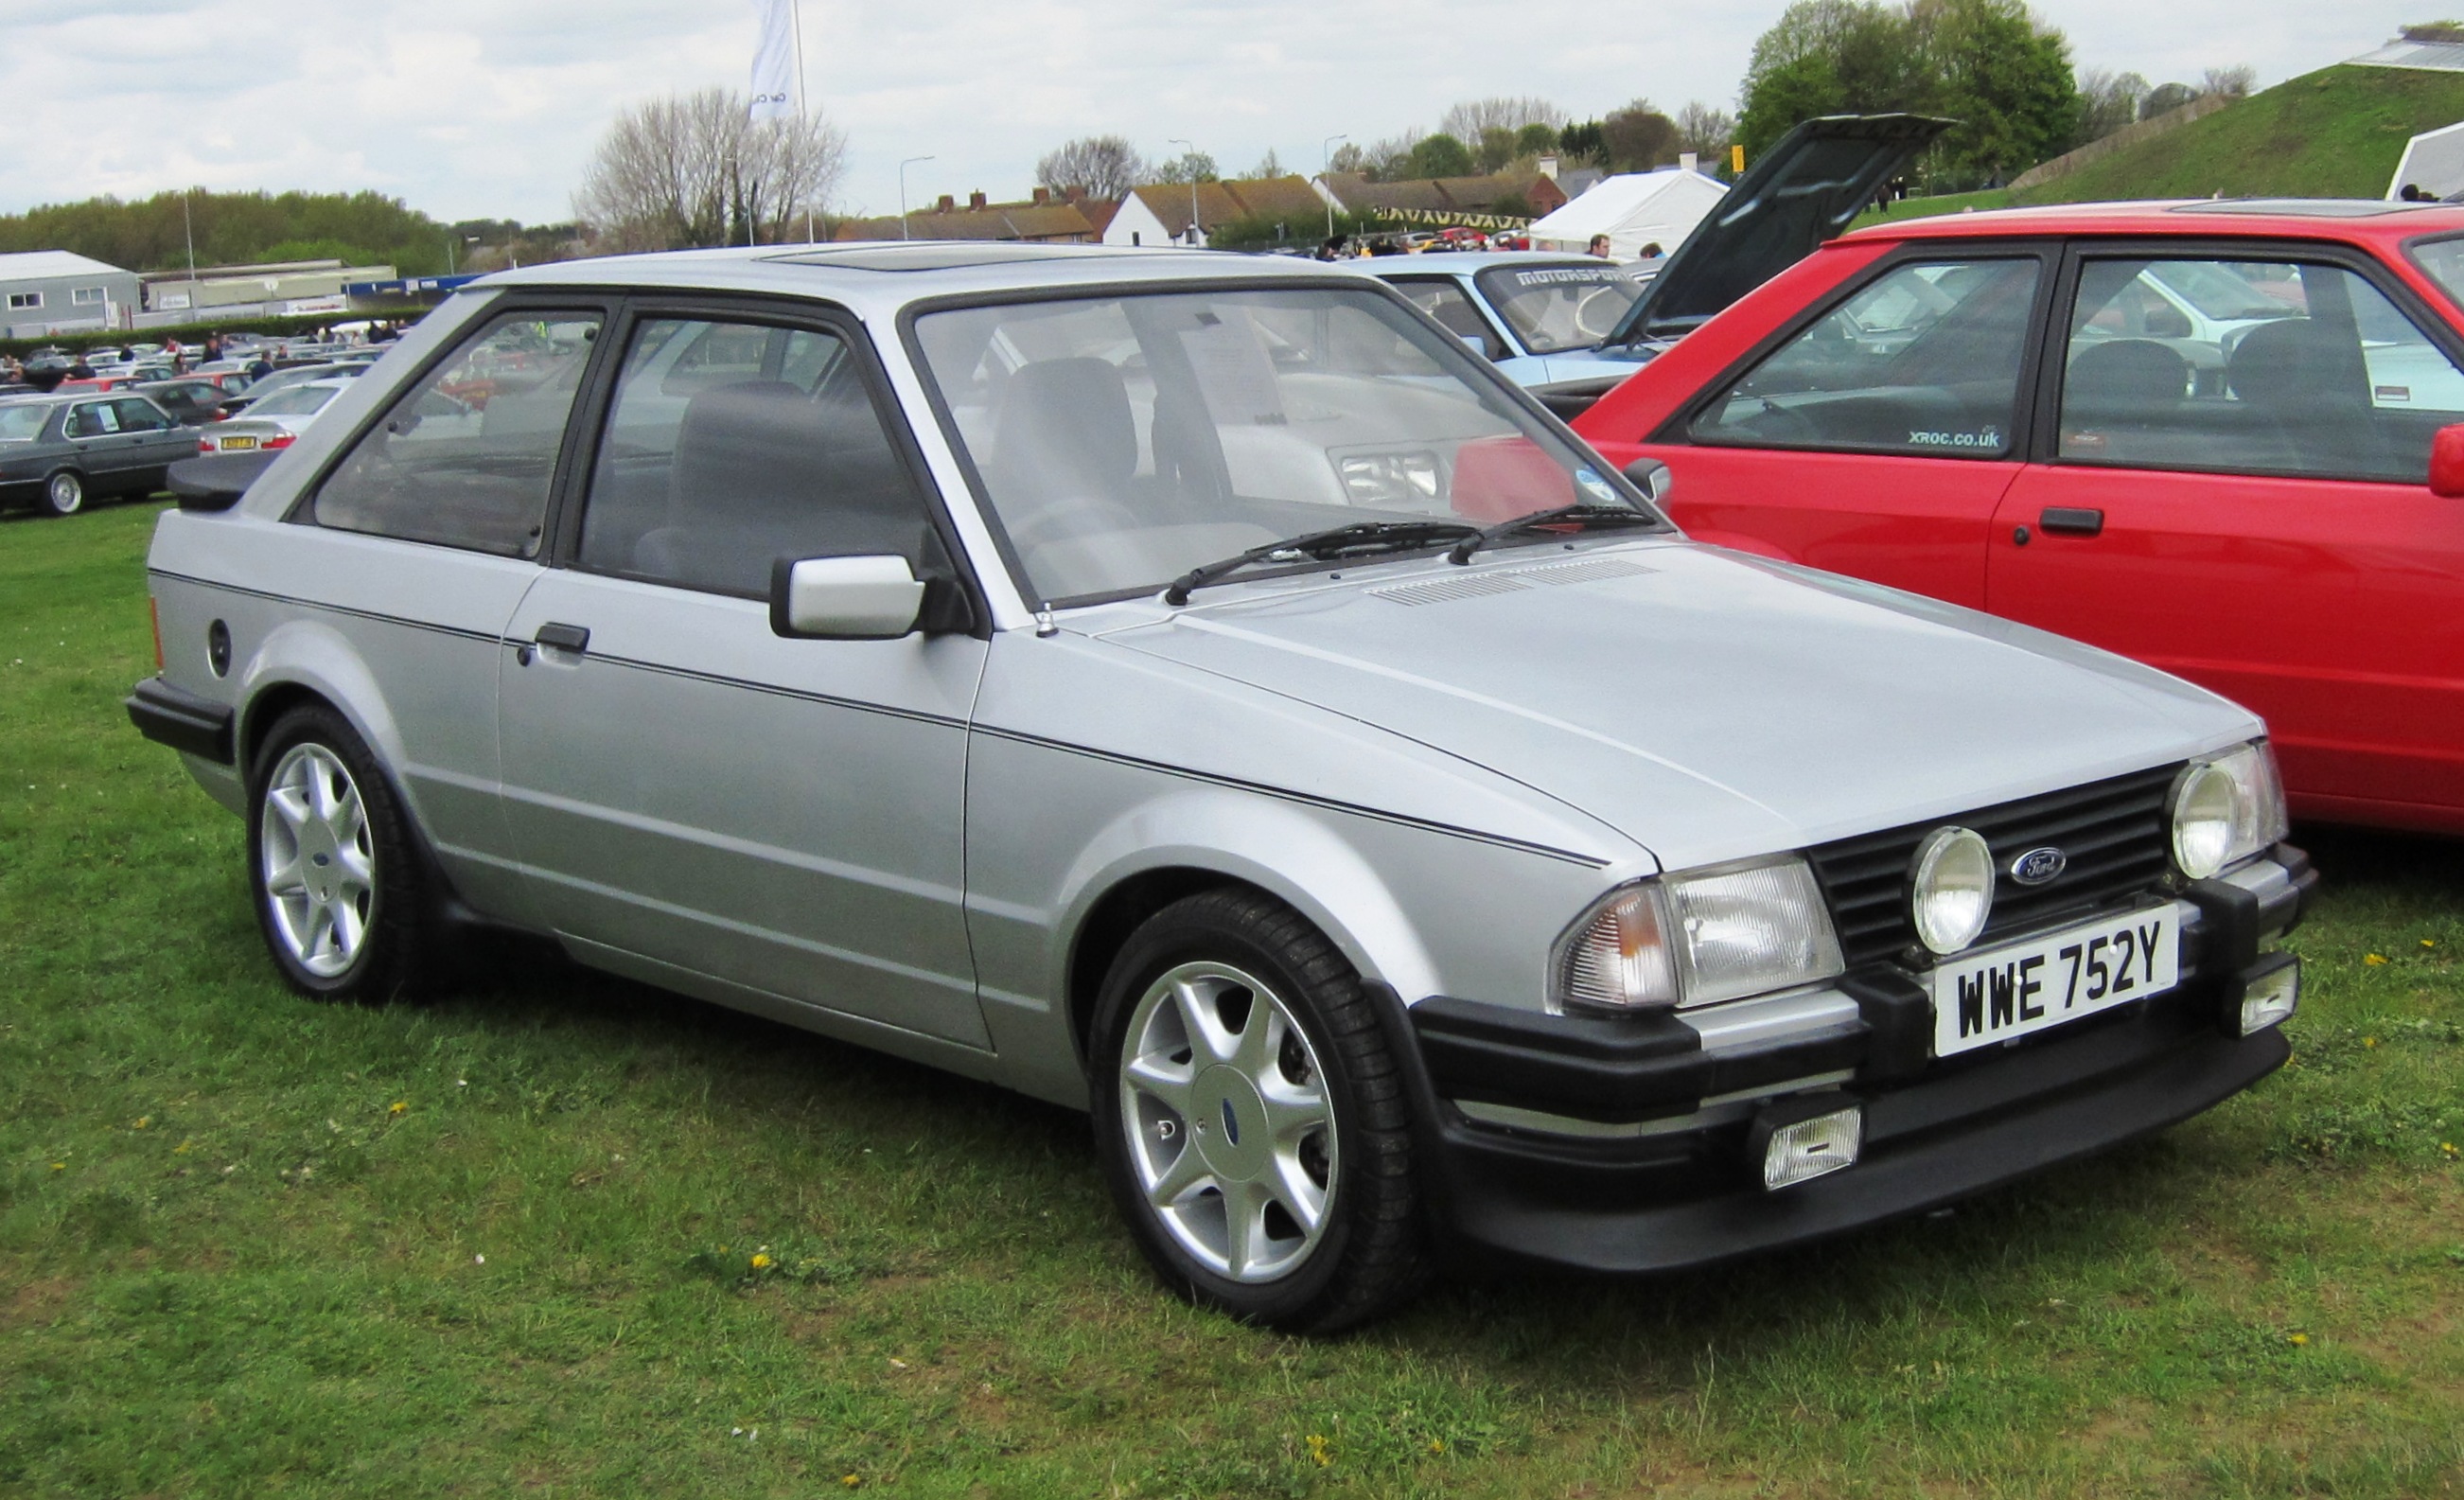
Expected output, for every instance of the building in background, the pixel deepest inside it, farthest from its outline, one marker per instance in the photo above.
(1159, 213)
(275, 289)
(1492, 201)
(44, 292)
(1044, 219)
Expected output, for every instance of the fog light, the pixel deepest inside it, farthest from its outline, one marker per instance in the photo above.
(1807, 1149)
(2270, 999)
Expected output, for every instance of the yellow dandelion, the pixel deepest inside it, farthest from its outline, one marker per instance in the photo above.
(1317, 1449)
(2374, 958)
(141, 1122)
(2447, 1146)
(399, 1106)
(851, 1481)
(182, 1149)
(2369, 1040)
(761, 1263)
(60, 1166)
(1436, 1445)
(2428, 942)
(2298, 1339)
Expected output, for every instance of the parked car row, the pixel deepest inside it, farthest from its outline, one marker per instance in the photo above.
(111, 438)
(1219, 700)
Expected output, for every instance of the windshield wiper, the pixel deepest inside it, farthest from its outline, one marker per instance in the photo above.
(1339, 541)
(1584, 515)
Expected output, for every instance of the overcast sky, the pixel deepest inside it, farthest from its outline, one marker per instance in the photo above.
(472, 108)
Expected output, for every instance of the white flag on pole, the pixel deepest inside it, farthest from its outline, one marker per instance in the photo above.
(774, 60)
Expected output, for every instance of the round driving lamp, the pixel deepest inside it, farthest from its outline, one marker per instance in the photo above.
(2207, 805)
(1951, 889)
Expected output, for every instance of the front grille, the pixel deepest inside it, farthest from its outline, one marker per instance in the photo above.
(2115, 831)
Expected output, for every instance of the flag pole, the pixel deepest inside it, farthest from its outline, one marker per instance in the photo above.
(804, 126)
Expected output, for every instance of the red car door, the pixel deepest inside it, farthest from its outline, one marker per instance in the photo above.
(1875, 438)
(2237, 494)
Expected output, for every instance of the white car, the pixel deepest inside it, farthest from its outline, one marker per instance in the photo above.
(273, 423)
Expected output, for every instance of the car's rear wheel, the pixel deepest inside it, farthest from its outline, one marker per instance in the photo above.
(340, 893)
(64, 494)
(1252, 1118)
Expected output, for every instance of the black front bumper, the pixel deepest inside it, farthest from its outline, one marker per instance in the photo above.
(1679, 1193)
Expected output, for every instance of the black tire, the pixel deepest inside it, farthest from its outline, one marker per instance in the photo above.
(1369, 1253)
(391, 958)
(64, 494)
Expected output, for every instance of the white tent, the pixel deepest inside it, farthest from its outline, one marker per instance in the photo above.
(2433, 162)
(1633, 209)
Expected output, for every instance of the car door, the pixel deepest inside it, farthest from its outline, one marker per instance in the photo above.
(104, 453)
(2267, 532)
(414, 548)
(694, 795)
(155, 442)
(1875, 436)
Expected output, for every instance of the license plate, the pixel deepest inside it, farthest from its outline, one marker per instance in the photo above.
(235, 444)
(2042, 982)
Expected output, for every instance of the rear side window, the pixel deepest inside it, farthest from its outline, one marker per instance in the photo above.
(137, 414)
(2249, 367)
(95, 419)
(1446, 302)
(1924, 360)
(730, 445)
(465, 458)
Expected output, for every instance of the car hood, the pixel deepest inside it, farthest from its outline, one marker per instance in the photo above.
(1806, 189)
(1709, 705)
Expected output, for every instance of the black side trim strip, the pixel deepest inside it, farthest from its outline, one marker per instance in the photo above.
(687, 674)
(186, 722)
(331, 609)
(1306, 798)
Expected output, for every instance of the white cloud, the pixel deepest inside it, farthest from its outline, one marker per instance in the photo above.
(491, 107)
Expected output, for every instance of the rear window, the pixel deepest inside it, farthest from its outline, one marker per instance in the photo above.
(298, 401)
(22, 424)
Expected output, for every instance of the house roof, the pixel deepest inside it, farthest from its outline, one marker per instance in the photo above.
(44, 265)
(1222, 201)
(997, 221)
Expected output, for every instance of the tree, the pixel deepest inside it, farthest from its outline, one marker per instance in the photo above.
(694, 169)
(234, 227)
(1580, 142)
(1638, 138)
(2165, 99)
(1497, 148)
(1475, 118)
(1100, 167)
(1348, 156)
(1192, 166)
(2107, 102)
(1439, 155)
(1269, 165)
(1535, 139)
(1389, 160)
(2005, 80)
(1829, 57)
(1704, 131)
(2231, 83)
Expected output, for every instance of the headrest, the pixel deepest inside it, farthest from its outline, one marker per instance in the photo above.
(2292, 363)
(2128, 372)
(1070, 416)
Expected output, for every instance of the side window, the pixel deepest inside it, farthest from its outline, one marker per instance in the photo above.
(93, 419)
(466, 456)
(713, 469)
(1445, 301)
(137, 416)
(1924, 360)
(2254, 365)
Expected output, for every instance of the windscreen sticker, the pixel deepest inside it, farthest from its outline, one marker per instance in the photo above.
(1983, 437)
(1580, 276)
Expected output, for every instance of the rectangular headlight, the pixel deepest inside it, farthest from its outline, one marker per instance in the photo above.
(1699, 937)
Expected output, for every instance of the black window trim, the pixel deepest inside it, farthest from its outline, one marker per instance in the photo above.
(597, 403)
(2046, 441)
(605, 305)
(1675, 429)
(1513, 346)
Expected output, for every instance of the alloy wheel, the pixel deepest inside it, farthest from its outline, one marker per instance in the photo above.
(317, 860)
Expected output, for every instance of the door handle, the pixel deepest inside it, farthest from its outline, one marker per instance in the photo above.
(572, 638)
(2072, 522)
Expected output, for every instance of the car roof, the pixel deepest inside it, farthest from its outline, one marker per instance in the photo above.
(2348, 219)
(887, 275)
(1468, 260)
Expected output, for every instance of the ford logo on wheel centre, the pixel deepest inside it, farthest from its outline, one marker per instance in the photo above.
(2039, 866)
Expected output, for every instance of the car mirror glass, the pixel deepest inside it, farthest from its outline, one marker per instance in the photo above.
(845, 599)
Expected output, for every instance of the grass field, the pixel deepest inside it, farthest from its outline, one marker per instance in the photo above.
(505, 1241)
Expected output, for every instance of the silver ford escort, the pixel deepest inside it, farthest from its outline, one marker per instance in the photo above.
(1204, 693)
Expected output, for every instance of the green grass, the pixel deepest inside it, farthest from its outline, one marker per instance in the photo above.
(229, 1266)
(2336, 133)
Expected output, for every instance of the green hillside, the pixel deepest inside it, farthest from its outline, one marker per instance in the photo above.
(2336, 133)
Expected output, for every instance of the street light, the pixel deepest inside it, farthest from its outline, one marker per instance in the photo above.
(1325, 179)
(902, 191)
(1188, 160)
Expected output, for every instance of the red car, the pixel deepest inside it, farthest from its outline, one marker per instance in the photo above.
(2224, 438)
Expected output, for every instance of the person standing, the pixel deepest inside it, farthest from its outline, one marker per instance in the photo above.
(1600, 246)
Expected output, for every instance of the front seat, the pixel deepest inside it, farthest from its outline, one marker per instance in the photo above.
(2120, 399)
(746, 479)
(2310, 386)
(1065, 435)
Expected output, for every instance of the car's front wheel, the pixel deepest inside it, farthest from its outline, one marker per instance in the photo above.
(64, 494)
(1252, 1118)
(338, 891)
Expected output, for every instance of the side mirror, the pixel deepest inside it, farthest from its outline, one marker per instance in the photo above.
(2447, 462)
(845, 599)
(1652, 478)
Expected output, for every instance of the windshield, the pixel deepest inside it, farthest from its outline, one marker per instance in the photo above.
(22, 424)
(1123, 440)
(1564, 306)
(297, 402)
(2227, 292)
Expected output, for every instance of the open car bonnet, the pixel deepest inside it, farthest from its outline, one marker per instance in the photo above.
(1806, 189)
